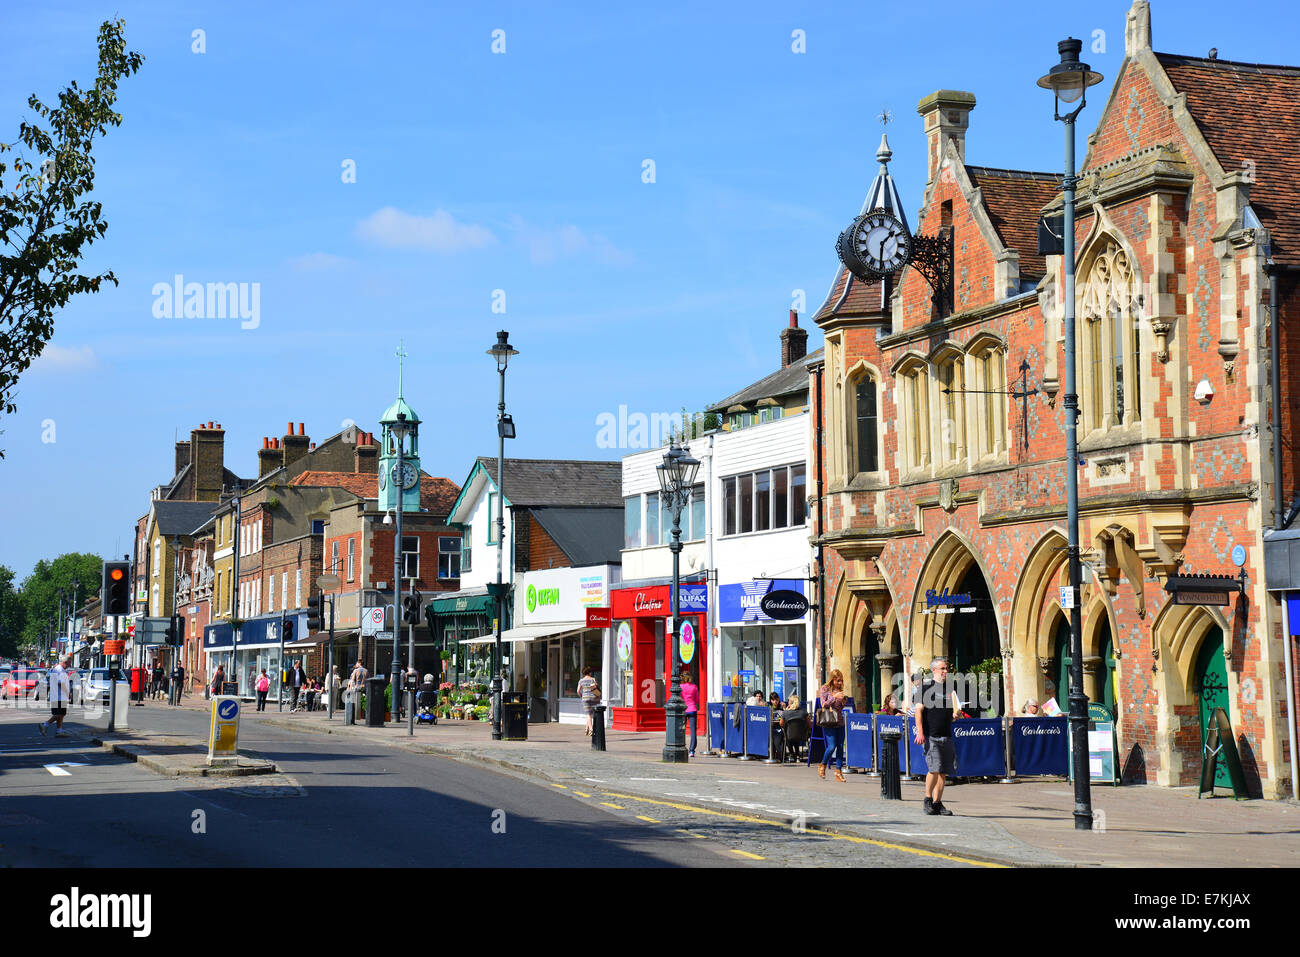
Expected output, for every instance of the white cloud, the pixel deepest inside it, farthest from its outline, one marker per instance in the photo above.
(547, 245)
(318, 262)
(58, 359)
(440, 232)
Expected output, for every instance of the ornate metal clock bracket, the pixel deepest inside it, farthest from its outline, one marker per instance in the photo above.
(932, 257)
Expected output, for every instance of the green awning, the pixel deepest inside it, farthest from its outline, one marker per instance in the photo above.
(466, 605)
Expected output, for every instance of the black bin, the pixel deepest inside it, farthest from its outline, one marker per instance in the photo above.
(890, 784)
(375, 702)
(514, 716)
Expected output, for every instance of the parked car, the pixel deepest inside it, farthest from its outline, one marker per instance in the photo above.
(95, 686)
(20, 684)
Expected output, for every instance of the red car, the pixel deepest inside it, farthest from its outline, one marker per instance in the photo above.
(20, 684)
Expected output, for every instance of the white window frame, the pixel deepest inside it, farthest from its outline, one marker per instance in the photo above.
(352, 551)
(448, 554)
(297, 589)
(405, 553)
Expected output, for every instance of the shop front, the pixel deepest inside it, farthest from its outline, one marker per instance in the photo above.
(553, 644)
(642, 652)
(756, 647)
(255, 646)
(455, 619)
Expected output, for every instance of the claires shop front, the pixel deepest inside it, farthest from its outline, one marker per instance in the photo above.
(643, 651)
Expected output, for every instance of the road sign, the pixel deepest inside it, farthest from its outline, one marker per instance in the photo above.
(223, 736)
(384, 636)
(1067, 597)
(372, 620)
(1238, 555)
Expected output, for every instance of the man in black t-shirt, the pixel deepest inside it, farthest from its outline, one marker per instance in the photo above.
(934, 733)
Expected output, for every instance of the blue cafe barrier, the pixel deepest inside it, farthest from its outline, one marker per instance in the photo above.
(859, 736)
(885, 722)
(915, 752)
(1038, 746)
(758, 731)
(980, 747)
(734, 737)
(717, 725)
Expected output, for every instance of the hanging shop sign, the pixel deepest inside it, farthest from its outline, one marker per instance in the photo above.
(784, 605)
(598, 618)
(1204, 589)
(688, 642)
(623, 642)
(943, 603)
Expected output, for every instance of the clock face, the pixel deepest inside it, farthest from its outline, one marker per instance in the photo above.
(408, 477)
(881, 242)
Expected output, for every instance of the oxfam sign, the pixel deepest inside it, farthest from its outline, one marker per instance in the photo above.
(535, 597)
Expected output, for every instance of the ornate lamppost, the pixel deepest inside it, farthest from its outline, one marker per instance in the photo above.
(676, 476)
(501, 351)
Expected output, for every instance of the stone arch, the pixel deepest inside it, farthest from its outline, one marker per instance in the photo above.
(1176, 637)
(950, 558)
(1031, 627)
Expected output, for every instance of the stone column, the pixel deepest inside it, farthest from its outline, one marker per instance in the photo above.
(889, 665)
(1093, 671)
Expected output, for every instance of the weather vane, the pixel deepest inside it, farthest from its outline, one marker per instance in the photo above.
(885, 117)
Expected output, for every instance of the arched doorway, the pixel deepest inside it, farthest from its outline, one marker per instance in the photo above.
(1061, 661)
(972, 642)
(1107, 675)
(1211, 687)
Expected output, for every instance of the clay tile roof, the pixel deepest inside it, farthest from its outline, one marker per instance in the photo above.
(863, 298)
(1015, 200)
(1248, 115)
(436, 494)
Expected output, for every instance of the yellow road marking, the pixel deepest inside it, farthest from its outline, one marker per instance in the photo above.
(752, 857)
(582, 794)
(559, 786)
(681, 830)
(617, 807)
(642, 817)
(839, 837)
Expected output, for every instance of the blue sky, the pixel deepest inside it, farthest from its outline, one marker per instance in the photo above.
(478, 171)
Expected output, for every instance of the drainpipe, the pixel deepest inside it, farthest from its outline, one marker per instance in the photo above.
(821, 549)
(714, 692)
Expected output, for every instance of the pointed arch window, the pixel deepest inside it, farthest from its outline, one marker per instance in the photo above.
(866, 423)
(913, 378)
(1111, 364)
(950, 374)
(988, 359)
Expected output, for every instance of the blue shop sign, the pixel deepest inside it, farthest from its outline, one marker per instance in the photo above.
(790, 656)
(741, 602)
(265, 632)
(693, 599)
(217, 638)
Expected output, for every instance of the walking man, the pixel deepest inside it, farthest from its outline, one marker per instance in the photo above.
(934, 733)
(60, 692)
(178, 683)
(297, 680)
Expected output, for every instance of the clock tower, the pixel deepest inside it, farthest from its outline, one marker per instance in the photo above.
(405, 484)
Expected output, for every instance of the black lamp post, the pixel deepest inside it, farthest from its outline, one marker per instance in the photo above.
(676, 476)
(501, 351)
(1069, 81)
(76, 588)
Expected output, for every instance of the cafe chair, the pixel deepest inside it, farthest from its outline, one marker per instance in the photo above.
(796, 736)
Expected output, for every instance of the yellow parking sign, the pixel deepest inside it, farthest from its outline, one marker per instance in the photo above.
(223, 737)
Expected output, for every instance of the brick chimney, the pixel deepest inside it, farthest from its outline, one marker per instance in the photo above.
(945, 115)
(794, 341)
(367, 454)
(207, 461)
(268, 458)
(295, 445)
(182, 456)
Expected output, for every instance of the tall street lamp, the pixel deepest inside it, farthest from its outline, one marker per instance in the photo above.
(676, 476)
(501, 350)
(398, 430)
(1069, 81)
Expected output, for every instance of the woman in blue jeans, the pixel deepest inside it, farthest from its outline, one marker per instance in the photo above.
(831, 699)
(691, 696)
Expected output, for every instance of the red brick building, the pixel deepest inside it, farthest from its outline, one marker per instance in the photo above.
(931, 478)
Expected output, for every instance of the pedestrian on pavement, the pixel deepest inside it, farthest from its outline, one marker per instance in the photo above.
(1030, 708)
(589, 692)
(218, 679)
(934, 710)
(888, 706)
(357, 686)
(691, 695)
(155, 683)
(178, 683)
(332, 681)
(830, 718)
(59, 693)
(297, 681)
(262, 686)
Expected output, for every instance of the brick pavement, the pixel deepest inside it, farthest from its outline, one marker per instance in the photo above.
(1027, 822)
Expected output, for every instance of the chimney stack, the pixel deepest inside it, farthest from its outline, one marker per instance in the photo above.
(945, 115)
(366, 454)
(207, 462)
(182, 456)
(794, 342)
(268, 458)
(295, 445)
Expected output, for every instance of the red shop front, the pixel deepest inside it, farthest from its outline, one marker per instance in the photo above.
(643, 654)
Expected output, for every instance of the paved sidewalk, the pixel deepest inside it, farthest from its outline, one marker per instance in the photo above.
(1028, 822)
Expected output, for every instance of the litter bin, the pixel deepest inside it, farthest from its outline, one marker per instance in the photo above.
(890, 785)
(375, 702)
(514, 716)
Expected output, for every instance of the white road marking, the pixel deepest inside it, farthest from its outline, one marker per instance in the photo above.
(887, 830)
(58, 771)
(650, 779)
(738, 782)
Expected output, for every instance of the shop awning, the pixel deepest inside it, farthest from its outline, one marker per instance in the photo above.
(481, 604)
(529, 633)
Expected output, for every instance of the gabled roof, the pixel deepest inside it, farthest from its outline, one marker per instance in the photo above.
(436, 494)
(788, 381)
(1014, 200)
(181, 518)
(1248, 114)
(587, 536)
(556, 482)
(850, 296)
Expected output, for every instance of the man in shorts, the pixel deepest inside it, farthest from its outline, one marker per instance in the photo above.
(934, 733)
(60, 693)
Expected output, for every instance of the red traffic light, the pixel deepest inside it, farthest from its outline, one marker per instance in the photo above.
(115, 574)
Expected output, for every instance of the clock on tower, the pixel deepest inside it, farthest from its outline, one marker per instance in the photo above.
(399, 485)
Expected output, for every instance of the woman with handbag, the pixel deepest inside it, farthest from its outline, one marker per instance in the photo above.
(262, 686)
(830, 718)
(589, 691)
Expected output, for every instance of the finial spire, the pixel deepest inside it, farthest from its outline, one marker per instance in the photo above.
(884, 154)
(401, 354)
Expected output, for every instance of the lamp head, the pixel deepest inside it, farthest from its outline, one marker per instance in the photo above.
(1069, 79)
(399, 428)
(502, 350)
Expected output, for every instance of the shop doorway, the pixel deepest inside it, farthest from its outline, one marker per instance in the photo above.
(553, 681)
(1061, 661)
(1211, 689)
(972, 647)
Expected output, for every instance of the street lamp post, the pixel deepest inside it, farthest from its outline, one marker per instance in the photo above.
(398, 430)
(501, 351)
(76, 587)
(1069, 81)
(676, 476)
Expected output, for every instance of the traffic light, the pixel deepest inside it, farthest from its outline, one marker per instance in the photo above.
(288, 629)
(411, 609)
(314, 608)
(169, 633)
(116, 589)
(176, 631)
